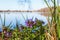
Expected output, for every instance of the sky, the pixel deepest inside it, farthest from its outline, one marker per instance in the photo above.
(16, 5)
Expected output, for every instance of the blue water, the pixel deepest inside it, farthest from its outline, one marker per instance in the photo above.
(20, 17)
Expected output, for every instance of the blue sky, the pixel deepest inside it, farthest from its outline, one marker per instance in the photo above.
(15, 5)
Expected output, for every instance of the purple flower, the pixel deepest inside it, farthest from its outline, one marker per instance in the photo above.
(21, 27)
(30, 23)
(8, 34)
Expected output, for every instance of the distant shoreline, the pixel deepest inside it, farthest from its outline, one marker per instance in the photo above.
(19, 11)
(44, 11)
(39, 10)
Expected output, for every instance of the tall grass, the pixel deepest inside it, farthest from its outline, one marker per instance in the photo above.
(22, 32)
(53, 27)
(29, 32)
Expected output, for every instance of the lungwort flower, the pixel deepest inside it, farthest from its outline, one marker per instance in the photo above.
(30, 23)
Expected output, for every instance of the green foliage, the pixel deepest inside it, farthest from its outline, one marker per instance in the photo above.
(26, 33)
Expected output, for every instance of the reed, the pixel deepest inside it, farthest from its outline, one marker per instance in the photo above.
(53, 25)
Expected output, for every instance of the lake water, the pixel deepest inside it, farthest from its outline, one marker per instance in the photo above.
(20, 17)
